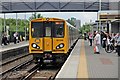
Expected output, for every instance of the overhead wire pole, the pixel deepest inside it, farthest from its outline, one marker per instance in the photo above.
(119, 13)
(98, 21)
(25, 26)
(99, 15)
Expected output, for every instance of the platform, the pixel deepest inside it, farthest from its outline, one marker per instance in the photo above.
(13, 46)
(84, 64)
(12, 50)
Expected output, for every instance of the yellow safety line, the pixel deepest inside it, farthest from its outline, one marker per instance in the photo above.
(82, 68)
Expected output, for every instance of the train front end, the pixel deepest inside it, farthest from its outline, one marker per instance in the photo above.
(48, 40)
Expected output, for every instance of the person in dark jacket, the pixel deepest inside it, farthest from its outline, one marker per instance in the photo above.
(4, 39)
(90, 38)
(15, 36)
(85, 38)
(118, 45)
(104, 39)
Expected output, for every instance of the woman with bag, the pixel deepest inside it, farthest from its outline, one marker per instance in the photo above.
(97, 43)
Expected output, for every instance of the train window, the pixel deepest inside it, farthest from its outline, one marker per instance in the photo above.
(59, 30)
(37, 29)
(48, 31)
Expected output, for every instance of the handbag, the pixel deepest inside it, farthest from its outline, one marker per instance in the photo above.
(94, 49)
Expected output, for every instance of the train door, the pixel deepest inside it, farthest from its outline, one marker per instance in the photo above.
(47, 41)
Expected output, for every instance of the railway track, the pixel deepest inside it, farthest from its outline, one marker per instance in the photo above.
(4, 62)
(30, 71)
(20, 73)
(43, 73)
(14, 64)
(15, 70)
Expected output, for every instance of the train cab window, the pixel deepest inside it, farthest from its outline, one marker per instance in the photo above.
(37, 29)
(48, 31)
(59, 30)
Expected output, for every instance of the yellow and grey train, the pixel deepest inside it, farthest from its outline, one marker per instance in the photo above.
(50, 39)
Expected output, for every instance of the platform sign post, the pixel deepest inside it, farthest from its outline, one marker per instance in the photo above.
(16, 24)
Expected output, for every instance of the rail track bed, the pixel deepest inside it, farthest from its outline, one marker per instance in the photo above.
(12, 59)
(32, 71)
(14, 64)
(19, 71)
(46, 73)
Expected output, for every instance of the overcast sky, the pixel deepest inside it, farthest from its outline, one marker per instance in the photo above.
(83, 16)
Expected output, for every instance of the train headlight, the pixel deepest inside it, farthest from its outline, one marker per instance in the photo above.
(35, 46)
(57, 47)
(61, 45)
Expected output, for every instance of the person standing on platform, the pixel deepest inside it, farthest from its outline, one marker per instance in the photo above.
(4, 38)
(118, 45)
(85, 36)
(94, 34)
(15, 36)
(104, 40)
(97, 42)
(8, 39)
(90, 38)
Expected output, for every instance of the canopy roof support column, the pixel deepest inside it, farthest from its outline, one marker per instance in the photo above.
(4, 23)
(16, 24)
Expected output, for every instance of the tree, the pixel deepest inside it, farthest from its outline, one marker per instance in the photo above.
(85, 28)
(71, 22)
(39, 16)
(34, 16)
(12, 24)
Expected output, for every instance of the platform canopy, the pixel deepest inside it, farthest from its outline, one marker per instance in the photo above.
(13, 6)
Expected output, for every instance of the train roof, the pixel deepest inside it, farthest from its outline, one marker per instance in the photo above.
(58, 19)
(70, 25)
(48, 19)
